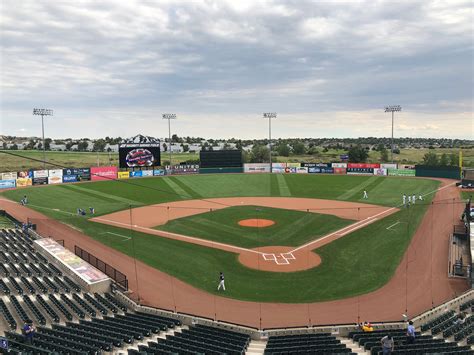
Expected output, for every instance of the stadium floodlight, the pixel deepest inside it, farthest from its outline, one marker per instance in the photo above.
(392, 109)
(169, 117)
(43, 112)
(270, 115)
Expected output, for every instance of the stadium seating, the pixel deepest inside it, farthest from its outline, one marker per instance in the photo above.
(318, 343)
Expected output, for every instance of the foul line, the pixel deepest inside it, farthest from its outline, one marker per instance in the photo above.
(119, 235)
(393, 225)
(203, 242)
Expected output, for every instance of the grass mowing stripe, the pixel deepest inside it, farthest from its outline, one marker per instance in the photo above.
(102, 194)
(282, 185)
(176, 188)
(182, 183)
(356, 189)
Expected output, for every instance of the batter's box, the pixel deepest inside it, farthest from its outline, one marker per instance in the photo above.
(288, 256)
(269, 257)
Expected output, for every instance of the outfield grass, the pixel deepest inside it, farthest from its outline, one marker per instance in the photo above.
(291, 228)
(339, 276)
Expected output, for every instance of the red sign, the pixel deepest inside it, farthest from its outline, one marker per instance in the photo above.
(104, 173)
(339, 170)
(363, 165)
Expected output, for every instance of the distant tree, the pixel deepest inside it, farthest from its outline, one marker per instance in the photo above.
(14, 147)
(99, 145)
(245, 156)
(259, 154)
(40, 146)
(47, 143)
(226, 146)
(82, 146)
(444, 160)
(298, 148)
(238, 145)
(325, 150)
(30, 145)
(165, 147)
(384, 155)
(4, 145)
(313, 151)
(185, 147)
(69, 145)
(454, 159)
(358, 154)
(283, 150)
(431, 159)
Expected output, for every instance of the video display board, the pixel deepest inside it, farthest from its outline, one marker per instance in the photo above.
(137, 155)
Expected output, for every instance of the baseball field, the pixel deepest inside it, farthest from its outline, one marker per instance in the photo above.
(186, 212)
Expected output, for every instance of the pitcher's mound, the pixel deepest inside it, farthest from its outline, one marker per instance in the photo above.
(256, 223)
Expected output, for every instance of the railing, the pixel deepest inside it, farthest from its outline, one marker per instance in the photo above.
(113, 273)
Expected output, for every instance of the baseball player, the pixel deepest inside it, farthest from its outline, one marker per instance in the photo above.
(404, 200)
(221, 281)
(365, 195)
(413, 198)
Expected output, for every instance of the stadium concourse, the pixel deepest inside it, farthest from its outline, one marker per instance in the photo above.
(425, 286)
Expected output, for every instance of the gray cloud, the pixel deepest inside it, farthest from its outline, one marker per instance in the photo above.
(227, 60)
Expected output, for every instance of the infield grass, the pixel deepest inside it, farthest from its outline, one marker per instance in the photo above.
(291, 228)
(356, 264)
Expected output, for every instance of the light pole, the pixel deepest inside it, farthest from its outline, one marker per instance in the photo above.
(169, 117)
(392, 109)
(270, 115)
(43, 112)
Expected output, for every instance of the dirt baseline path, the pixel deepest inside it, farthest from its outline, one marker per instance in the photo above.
(270, 258)
(420, 281)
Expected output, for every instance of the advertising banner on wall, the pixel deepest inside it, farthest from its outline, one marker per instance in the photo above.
(70, 178)
(40, 173)
(316, 165)
(321, 170)
(9, 176)
(257, 168)
(7, 184)
(340, 171)
(55, 179)
(360, 171)
(406, 166)
(388, 166)
(56, 172)
(25, 174)
(401, 172)
(380, 172)
(182, 169)
(123, 174)
(104, 173)
(40, 181)
(278, 168)
(363, 165)
(339, 165)
(82, 174)
(302, 170)
(135, 174)
(23, 182)
(158, 172)
(147, 173)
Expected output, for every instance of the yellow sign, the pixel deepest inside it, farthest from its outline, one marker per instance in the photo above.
(123, 175)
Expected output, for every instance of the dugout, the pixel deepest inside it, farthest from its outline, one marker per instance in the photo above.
(220, 161)
(450, 172)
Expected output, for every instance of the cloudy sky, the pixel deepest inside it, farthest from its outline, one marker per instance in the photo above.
(327, 68)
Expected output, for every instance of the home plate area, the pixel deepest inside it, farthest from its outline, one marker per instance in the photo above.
(279, 259)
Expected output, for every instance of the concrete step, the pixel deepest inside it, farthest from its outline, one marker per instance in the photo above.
(355, 348)
(256, 347)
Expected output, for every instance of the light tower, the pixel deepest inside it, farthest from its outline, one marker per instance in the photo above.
(43, 112)
(392, 109)
(270, 115)
(169, 117)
